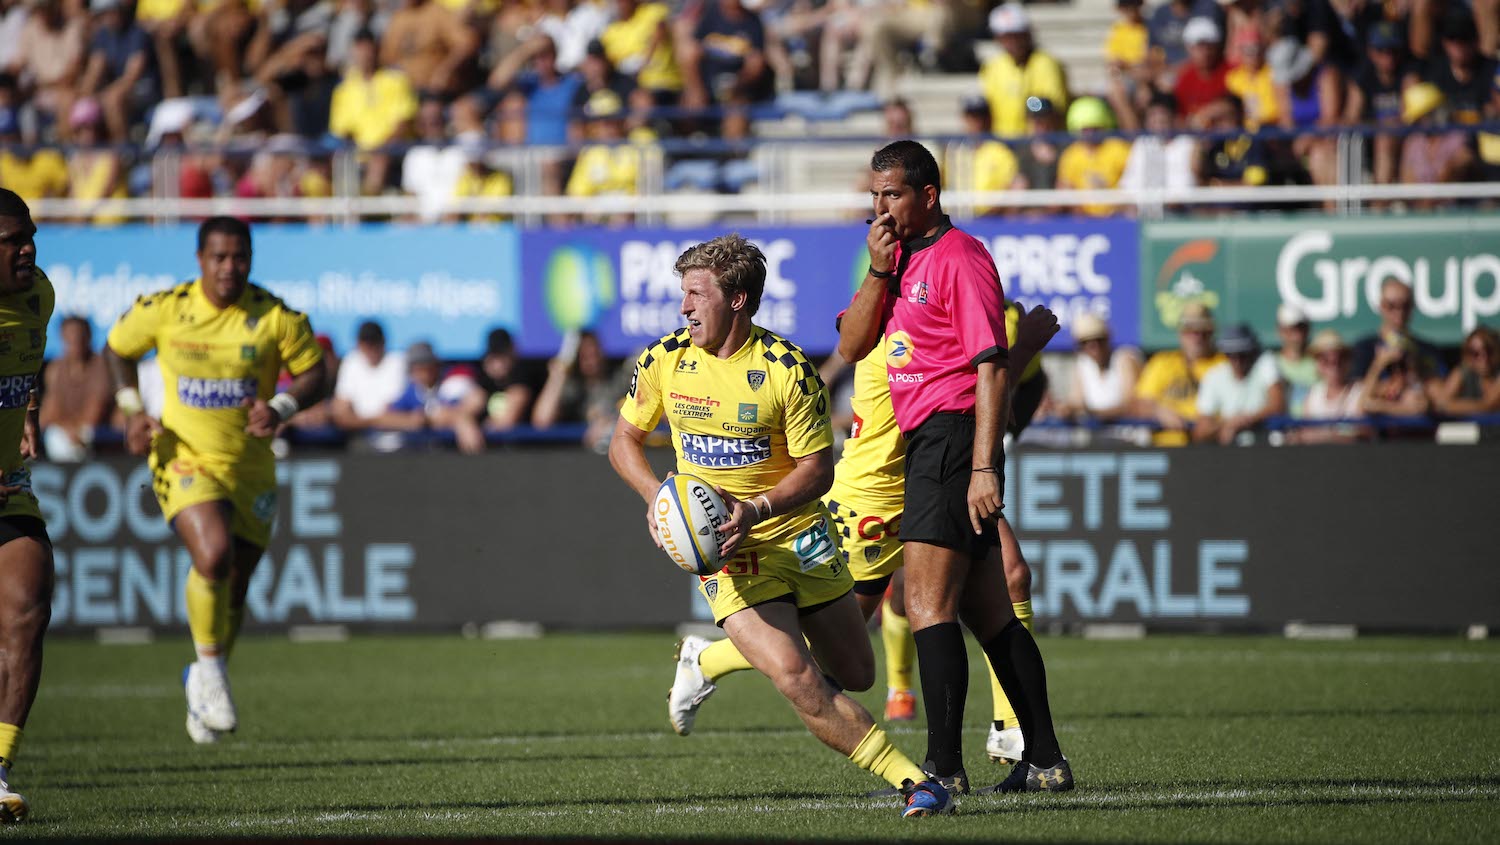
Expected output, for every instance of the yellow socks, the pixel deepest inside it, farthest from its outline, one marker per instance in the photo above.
(900, 649)
(876, 755)
(720, 659)
(236, 619)
(208, 614)
(10, 739)
(1004, 713)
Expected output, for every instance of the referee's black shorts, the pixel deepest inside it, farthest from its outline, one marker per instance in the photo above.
(939, 466)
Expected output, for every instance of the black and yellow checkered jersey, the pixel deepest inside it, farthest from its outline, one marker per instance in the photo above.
(212, 360)
(739, 422)
(23, 341)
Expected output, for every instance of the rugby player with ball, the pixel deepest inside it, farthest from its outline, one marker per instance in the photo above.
(749, 415)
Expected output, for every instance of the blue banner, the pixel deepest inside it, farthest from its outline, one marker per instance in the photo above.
(445, 285)
(621, 283)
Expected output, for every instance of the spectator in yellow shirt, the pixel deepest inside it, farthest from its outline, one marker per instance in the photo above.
(1092, 162)
(992, 166)
(372, 107)
(639, 44)
(1019, 71)
(95, 173)
(607, 166)
(1167, 390)
(1252, 82)
(32, 175)
(1126, 52)
(478, 180)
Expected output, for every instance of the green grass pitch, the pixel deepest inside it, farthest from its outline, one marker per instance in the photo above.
(1173, 739)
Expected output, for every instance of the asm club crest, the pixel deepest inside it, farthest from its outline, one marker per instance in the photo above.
(756, 378)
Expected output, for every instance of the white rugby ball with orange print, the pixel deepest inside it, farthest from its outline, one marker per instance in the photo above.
(688, 514)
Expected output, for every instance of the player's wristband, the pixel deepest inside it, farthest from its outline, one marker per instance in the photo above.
(986, 469)
(768, 512)
(882, 274)
(285, 405)
(128, 400)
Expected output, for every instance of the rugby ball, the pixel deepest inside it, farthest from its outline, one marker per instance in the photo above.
(688, 515)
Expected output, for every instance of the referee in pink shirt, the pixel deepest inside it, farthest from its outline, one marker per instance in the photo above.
(934, 291)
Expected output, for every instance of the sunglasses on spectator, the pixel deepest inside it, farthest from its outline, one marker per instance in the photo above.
(1329, 357)
(1396, 304)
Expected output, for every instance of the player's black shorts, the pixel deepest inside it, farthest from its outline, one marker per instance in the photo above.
(16, 527)
(939, 466)
(1028, 398)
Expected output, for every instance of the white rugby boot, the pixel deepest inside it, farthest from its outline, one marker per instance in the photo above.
(208, 696)
(1004, 746)
(689, 688)
(13, 807)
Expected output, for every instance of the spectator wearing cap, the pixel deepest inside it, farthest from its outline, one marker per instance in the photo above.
(1037, 158)
(1254, 83)
(639, 43)
(372, 107)
(1201, 79)
(1165, 29)
(606, 167)
(121, 69)
(507, 395)
(1374, 96)
(1018, 72)
(1435, 153)
(369, 380)
(1292, 363)
(1334, 396)
(1396, 303)
(1161, 159)
(1474, 385)
(1236, 397)
(1167, 391)
(990, 166)
(95, 173)
(49, 58)
(431, 44)
(1310, 95)
(1104, 376)
(1093, 162)
(432, 401)
(32, 173)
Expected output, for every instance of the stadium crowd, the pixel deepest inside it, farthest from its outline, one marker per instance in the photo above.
(253, 96)
(1216, 387)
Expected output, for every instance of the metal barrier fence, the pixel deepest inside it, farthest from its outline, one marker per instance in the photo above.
(782, 193)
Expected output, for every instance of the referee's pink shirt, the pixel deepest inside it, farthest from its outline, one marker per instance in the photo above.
(948, 318)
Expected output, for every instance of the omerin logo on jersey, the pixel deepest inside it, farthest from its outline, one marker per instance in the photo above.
(15, 391)
(215, 393)
(706, 450)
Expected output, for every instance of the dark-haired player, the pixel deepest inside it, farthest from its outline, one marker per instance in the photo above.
(25, 550)
(221, 342)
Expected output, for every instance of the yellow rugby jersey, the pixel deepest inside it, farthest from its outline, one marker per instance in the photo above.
(873, 463)
(1012, 322)
(23, 340)
(740, 422)
(212, 361)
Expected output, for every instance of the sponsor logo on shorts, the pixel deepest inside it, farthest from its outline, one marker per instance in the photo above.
(706, 450)
(711, 589)
(756, 378)
(749, 413)
(265, 506)
(20, 478)
(872, 553)
(215, 393)
(15, 391)
(899, 350)
(185, 482)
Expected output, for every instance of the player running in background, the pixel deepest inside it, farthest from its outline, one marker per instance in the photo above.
(749, 414)
(934, 292)
(221, 343)
(866, 504)
(26, 300)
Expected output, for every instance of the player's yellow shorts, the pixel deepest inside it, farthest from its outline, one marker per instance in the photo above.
(23, 502)
(808, 567)
(182, 479)
(870, 533)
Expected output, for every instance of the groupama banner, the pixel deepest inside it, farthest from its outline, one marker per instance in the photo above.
(1331, 269)
(449, 285)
